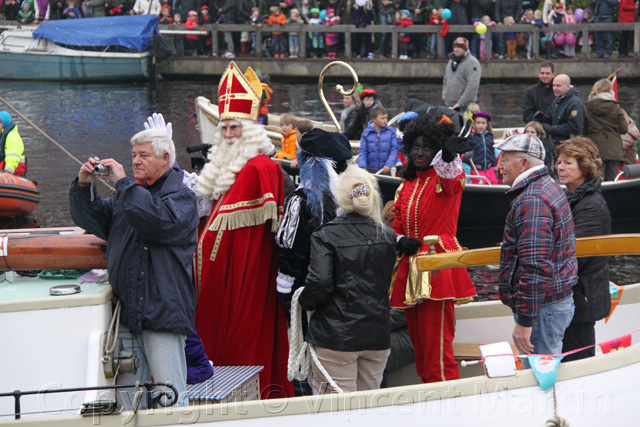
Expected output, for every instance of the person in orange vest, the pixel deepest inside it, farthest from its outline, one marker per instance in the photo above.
(289, 141)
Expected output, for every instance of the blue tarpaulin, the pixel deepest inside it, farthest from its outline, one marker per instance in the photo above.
(133, 32)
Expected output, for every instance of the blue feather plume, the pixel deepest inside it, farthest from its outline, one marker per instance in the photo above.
(316, 179)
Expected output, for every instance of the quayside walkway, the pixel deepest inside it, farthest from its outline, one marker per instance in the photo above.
(583, 66)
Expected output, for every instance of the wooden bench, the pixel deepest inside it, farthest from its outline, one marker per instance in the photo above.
(228, 384)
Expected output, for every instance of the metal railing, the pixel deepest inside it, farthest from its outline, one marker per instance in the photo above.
(152, 398)
(214, 30)
(583, 30)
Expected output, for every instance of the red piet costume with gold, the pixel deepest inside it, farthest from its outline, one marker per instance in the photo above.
(429, 205)
(237, 317)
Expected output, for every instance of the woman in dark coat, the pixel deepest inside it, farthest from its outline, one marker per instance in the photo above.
(604, 123)
(578, 168)
(347, 285)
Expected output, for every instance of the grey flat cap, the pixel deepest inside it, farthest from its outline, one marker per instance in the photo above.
(523, 143)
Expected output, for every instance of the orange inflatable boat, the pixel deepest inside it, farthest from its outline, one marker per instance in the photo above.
(18, 196)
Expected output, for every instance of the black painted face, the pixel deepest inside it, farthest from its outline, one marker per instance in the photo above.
(422, 154)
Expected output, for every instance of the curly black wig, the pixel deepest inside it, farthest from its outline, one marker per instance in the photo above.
(434, 131)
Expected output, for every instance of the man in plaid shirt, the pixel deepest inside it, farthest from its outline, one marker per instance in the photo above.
(538, 265)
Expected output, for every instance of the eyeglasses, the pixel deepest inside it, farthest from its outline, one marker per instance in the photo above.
(504, 159)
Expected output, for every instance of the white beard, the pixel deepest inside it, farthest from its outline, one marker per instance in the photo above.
(226, 160)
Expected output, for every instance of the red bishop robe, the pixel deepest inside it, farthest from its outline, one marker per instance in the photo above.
(429, 205)
(238, 318)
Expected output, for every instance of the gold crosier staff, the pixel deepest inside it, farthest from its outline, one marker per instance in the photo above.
(339, 88)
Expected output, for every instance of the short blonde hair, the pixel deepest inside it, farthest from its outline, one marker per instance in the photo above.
(473, 108)
(369, 203)
(288, 119)
(388, 213)
(304, 125)
(537, 126)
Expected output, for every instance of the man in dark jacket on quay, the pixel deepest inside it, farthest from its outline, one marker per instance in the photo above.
(538, 99)
(150, 226)
(538, 265)
(539, 96)
(566, 114)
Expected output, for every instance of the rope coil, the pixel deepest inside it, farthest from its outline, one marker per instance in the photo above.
(301, 353)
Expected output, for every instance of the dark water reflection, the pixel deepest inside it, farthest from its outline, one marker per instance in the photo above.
(99, 120)
(622, 271)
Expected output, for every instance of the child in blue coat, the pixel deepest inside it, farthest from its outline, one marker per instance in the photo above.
(481, 140)
(378, 144)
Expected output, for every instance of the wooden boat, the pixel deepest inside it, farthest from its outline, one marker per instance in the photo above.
(18, 196)
(113, 48)
(484, 208)
(53, 350)
(208, 118)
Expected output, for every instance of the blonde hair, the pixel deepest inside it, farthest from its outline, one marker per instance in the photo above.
(368, 204)
(388, 214)
(601, 86)
(509, 20)
(295, 12)
(288, 119)
(304, 125)
(537, 14)
(473, 108)
(537, 126)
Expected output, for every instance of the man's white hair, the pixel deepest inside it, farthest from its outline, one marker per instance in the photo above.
(226, 160)
(160, 143)
(533, 161)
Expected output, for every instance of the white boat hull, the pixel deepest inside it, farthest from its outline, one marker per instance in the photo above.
(594, 392)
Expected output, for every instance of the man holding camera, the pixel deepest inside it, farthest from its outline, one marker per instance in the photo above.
(150, 226)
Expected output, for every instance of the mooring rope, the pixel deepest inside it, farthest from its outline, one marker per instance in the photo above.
(301, 352)
(53, 141)
(111, 336)
(556, 421)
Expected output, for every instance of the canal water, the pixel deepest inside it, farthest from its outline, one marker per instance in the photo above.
(99, 119)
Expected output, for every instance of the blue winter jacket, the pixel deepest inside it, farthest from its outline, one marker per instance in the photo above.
(484, 155)
(151, 235)
(378, 149)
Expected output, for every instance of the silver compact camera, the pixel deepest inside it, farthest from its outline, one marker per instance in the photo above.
(100, 169)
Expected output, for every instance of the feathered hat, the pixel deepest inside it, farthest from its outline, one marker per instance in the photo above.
(239, 95)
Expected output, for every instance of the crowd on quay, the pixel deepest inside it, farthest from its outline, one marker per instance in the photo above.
(552, 110)
(212, 267)
(270, 14)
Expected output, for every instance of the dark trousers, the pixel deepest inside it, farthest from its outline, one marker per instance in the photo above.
(609, 169)
(577, 336)
(626, 41)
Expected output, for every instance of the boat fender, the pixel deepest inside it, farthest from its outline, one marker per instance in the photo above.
(631, 171)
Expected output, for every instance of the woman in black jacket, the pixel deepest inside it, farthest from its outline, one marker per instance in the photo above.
(352, 259)
(578, 167)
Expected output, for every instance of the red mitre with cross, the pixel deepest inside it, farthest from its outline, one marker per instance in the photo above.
(239, 95)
